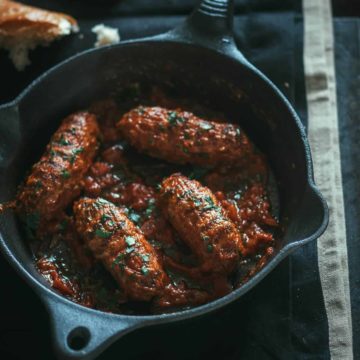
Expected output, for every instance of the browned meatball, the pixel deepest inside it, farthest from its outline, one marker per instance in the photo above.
(181, 137)
(121, 247)
(55, 180)
(202, 223)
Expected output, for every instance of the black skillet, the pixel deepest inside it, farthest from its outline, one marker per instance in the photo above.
(199, 59)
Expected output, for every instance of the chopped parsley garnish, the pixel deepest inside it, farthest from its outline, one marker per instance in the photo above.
(119, 260)
(205, 125)
(78, 151)
(174, 119)
(205, 238)
(209, 248)
(104, 217)
(103, 233)
(237, 196)
(197, 202)
(134, 217)
(107, 219)
(144, 270)
(129, 250)
(74, 153)
(209, 200)
(210, 204)
(145, 258)
(130, 240)
(101, 201)
(63, 141)
(151, 207)
(65, 174)
(184, 194)
(187, 136)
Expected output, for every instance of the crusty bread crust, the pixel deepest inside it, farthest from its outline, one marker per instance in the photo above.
(24, 27)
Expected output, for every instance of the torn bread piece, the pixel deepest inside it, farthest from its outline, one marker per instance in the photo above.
(23, 28)
(105, 35)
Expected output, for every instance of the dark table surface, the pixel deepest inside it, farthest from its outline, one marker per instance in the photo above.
(284, 316)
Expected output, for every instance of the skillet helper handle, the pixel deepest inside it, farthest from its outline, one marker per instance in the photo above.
(82, 333)
(211, 25)
(212, 19)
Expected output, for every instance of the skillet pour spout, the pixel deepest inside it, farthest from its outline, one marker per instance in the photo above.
(201, 58)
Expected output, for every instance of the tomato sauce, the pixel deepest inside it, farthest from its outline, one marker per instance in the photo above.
(131, 181)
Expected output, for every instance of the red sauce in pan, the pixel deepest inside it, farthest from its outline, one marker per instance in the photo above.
(131, 180)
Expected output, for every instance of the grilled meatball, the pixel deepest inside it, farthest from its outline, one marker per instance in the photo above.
(55, 180)
(121, 247)
(180, 137)
(202, 223)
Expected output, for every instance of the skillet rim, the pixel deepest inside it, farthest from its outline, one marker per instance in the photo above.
(44, 292)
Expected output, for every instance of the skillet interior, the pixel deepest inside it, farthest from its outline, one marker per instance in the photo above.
(191, 71)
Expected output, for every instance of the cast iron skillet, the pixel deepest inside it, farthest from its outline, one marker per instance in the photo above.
(201, 58)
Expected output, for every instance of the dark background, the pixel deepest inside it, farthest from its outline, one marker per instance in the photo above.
(283, 317)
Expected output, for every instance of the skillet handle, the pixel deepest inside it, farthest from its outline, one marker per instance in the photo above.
(82, 333)
(210, 25)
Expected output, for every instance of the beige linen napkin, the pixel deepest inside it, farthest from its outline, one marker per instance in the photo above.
(324, 140)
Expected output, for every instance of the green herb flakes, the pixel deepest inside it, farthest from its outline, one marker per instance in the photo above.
(65, 174)
(134, 217)
(63, 141)
(75, 152)
(129, 250)
(130, 241)
(145, 257)
(174, 118)
(104, 217)
(103, 233)
(119, 261)
(144, 270)
(197, 202)
(151, 207)
(205, 238)
(205, 125)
